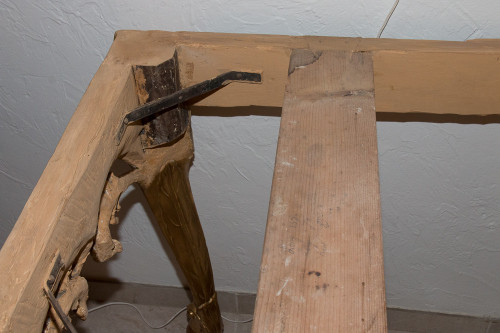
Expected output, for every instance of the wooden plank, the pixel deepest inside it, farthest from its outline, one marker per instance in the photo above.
(437, 82)
(205, 55)
(322, 266)
(143, 40)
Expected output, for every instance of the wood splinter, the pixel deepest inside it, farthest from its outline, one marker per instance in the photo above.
(105, 247)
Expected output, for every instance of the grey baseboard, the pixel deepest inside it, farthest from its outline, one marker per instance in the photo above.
(103, 292)
(399, 320)
(428, 322)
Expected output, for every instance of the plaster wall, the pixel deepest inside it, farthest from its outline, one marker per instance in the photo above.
(440, 184)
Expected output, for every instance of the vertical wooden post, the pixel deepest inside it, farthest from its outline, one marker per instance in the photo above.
(322, 266)
(171, 200)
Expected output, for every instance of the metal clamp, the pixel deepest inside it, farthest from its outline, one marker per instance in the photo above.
(184, 95)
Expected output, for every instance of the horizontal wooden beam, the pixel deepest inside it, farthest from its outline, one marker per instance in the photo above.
(410, 75)
(437, 82)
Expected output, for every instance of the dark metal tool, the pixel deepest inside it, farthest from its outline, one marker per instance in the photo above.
(55, 277)
(68, 327)
(164, 79)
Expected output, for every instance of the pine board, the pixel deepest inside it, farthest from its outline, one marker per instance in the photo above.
(322, 266)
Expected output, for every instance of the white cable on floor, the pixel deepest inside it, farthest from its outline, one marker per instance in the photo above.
(387, 18)
(237, 321)
(168, 322)
(140, 313)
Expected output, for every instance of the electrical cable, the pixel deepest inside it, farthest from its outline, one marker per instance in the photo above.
(140, 313)
(168, 322)
(237, 321)
(387, 18)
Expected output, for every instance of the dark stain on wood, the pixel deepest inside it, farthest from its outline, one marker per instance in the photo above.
(154, 82)
(315, 273)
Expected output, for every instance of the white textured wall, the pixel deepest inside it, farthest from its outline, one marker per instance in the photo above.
(440, 182)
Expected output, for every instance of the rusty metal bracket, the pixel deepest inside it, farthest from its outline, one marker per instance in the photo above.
(163, 80)
(56, 273)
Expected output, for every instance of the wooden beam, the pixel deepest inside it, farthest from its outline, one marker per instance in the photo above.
(437, 82)
(322, 266)
(60, 216)
(410, 75)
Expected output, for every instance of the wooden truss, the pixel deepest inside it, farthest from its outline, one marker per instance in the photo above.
(322, 265)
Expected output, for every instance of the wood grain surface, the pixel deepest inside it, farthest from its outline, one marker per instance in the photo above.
(410, 75)
(322, 266)
(437, 82)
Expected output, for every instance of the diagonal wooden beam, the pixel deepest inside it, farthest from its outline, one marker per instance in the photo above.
(322, 266)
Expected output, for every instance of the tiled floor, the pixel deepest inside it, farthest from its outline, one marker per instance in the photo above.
(125, 319)
(151, 300)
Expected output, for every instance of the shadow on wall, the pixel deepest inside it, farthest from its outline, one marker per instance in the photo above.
(94, 270)
(208, 111)
(437, 118)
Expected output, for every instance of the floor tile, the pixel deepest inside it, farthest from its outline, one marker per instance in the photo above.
(494, 327)
(429, 322)
(121, 318)
(246, 303)
(158, 304)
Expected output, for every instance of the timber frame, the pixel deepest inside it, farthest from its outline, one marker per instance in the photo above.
(322, 266)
